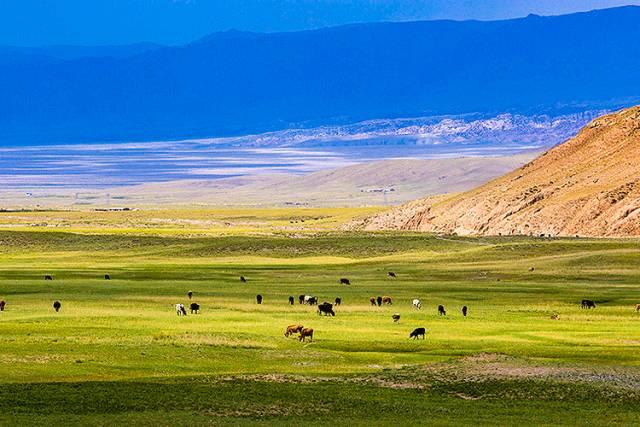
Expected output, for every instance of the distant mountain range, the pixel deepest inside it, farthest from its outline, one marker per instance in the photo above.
(237, 83)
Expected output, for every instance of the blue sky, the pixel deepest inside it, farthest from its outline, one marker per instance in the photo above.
(98, 22)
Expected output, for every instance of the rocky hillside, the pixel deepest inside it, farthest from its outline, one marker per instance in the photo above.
(587, 186)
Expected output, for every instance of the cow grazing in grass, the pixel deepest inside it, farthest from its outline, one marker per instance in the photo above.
(555, 316)
(107, 277)
(379, 301)
(417, 304)
(637, 308)
(2, 304)
(180, 310)
(337, 301)
(300, 299)
(395, 317)
(392, 274)
(387, 300)
(310, 300)
(441, 311)
(292, 300)
(243, 280)
(194, 307)
(306, 332)
(259, 299)
(190, 294)
(344, 281)
(372, 300)
(326, 309)
(587, 303)
(293, 329)
(57, 306)
(418, 332)
(464, 311)
(48, 277)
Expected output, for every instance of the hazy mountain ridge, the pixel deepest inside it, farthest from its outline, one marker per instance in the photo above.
(514, 129)
(235, 84)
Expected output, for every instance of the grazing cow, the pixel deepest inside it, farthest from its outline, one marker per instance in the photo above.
(291, 300)
(259, 299)
(306, 332)
(637, 308)
(464, 310)
(587, 303)
(417, 332)
(392, 274)
(338, 301)
(310, 300)
(180, 310)
(372, 300)
(386, 300)
(417, 304)
(554, 316)
(326, 309)
(395, 317)
(243, 280)
(379, 301)
(345, 281)
(441, 311)
(2, 304)
(300, 299)
(57, 306)
(107, 277)
(195, 308)
(190, 294)
(48, 277)
(293, 329)
(531, 269)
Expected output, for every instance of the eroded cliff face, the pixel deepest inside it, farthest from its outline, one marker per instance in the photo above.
(587, 186)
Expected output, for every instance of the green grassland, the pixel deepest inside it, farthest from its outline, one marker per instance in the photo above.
(117, 352)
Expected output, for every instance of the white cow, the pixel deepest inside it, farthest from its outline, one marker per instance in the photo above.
(180, 310)
(417, 304)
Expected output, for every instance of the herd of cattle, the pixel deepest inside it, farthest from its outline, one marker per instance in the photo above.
(325, 308)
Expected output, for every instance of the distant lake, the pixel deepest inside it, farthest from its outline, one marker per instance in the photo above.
(107, 165)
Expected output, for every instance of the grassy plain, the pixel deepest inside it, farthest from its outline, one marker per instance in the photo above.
(117, 353)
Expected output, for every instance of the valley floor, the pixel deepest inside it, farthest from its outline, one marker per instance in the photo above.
(117, 352)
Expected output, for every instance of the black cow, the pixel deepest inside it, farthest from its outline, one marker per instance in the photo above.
(417, 332)
(326, 309)
(464, 311)
(243, 280)
(338, 301)
(392, 274)
(57, 306)
(441, 311)
(48, 277)
(107, 277)
(2, 304)
(300, 299)
(195, 308)
(345, 281)
(259, 299)
(312, 300)
(190, 294)
(395, 317)
(379, 301)
(587, 303)
(291, 300)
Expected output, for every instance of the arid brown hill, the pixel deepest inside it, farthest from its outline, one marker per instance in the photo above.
(587, 186)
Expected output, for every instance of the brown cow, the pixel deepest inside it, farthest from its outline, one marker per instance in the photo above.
(293, 329)
(372, 300)
(387, 300)
(637, 308)
(2, 304)
(306, 332)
